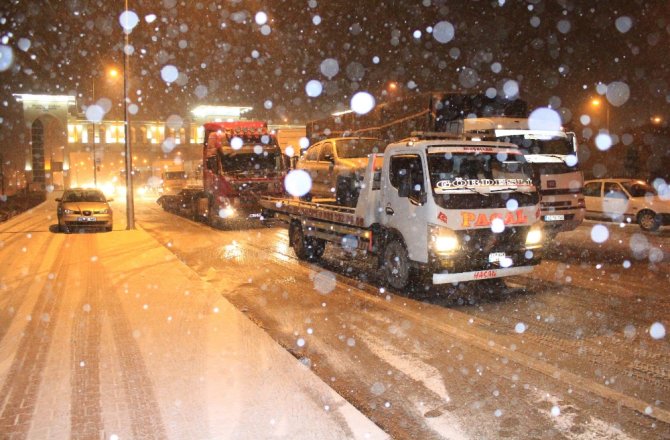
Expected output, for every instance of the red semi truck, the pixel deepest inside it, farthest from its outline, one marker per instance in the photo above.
(242, 161)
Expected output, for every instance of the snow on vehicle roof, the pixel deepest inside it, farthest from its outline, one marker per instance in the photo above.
(464, 145)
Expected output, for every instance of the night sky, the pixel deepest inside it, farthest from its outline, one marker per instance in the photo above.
(555, 52)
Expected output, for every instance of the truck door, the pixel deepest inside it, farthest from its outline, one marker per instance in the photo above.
(404, 202)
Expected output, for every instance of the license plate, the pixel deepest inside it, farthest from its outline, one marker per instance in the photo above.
(496, 257)
(85, 219)
(554, 218)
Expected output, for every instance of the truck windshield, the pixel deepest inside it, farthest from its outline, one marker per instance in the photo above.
(350, 148)
(455, 172)
(250, 162)
(554, 145)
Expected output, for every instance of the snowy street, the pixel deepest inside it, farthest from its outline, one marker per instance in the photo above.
(334, 220)
(109, 336)
(137, 338)
(574, 350)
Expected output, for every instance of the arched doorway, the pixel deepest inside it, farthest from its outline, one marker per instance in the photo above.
(46, 118)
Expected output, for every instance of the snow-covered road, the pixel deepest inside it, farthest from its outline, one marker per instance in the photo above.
(571, 351)
(109, 336)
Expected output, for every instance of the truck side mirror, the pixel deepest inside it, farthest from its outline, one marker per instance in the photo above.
(418, 196)
(421, 197)
(572, 138)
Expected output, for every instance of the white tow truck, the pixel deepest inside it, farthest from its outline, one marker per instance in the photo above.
(461, 210)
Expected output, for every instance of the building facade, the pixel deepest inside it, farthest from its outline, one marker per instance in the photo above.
(67, 149)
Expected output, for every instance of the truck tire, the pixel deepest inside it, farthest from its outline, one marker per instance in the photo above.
(212, 213)
(305, 248)
(395, 265)
(648, 220)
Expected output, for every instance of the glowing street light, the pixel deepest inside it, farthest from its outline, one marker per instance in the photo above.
(596, 102)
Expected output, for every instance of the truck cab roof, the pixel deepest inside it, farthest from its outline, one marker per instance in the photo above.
(456, 144)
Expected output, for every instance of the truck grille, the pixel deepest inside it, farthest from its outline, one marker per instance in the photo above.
(477, 244)
(481, 242)
(251, 186)
(560, 192)
(563, 204)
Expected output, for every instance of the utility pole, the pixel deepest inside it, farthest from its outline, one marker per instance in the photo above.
(95, 165)
(2, 173)
(130, 204)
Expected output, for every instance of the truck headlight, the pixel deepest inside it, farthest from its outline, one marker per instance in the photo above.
(227, 212)
(443, 240)
(534, 237)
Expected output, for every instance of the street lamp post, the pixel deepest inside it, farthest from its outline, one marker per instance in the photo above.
(113, 73)
(95, 175)
(2, 174)
(596, 103)
(130, 204)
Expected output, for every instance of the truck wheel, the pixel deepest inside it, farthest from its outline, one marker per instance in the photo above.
(212, 213)
(305, 248)
(648, 220)
(395, 265)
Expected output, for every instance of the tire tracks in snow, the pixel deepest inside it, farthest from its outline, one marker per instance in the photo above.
(86, 408)
(21, 386)
(143, 408)
(482, 340)
(489, 343)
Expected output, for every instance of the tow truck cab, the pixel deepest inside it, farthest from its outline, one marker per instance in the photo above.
(466, 210)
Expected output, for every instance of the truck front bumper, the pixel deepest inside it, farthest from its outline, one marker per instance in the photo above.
(444, 278)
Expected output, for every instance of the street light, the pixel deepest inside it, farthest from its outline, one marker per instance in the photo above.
(112, 73)
(596, 102)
